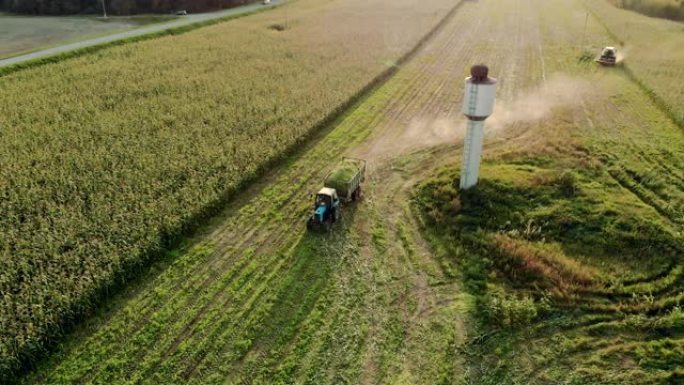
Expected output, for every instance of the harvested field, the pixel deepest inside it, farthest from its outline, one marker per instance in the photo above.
(653, 56)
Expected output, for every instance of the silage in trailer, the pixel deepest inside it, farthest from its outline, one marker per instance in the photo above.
(341, 177)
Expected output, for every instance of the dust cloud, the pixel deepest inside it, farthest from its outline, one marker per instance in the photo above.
(421, 132)
(621, 54)
(539, 103)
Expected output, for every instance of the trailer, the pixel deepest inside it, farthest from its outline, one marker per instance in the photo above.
(346, 178)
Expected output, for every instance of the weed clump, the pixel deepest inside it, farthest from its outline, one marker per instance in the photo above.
(567, 183)
(505, 310)
(277, 27)
(586, 57)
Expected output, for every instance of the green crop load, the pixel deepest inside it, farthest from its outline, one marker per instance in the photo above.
(341, 177)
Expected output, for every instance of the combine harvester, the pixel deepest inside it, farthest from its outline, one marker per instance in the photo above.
(608, 57)
(343, 184)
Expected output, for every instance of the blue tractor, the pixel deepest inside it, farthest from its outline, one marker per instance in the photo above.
(342, 184)
(326, 210)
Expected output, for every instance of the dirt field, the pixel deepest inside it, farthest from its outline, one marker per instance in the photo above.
(254, 298)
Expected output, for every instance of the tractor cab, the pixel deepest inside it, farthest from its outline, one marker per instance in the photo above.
(326, 209)
(325, 197)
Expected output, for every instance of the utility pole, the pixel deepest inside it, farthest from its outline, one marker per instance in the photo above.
(584, 32)
(104, 9)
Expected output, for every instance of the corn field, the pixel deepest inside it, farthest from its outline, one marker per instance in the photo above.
(108, 158)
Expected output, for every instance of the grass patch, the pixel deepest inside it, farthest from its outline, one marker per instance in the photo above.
(552, 266)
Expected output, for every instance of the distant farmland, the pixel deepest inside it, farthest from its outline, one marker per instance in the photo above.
(107, 158)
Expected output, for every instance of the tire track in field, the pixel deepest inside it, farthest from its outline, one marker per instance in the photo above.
(266, 247)
(638, 144)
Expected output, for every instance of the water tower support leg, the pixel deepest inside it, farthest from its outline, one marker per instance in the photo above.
(472, 151)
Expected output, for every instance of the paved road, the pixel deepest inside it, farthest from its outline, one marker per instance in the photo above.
(190, 19)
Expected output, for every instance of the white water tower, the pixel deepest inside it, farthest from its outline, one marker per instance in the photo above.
(478, 105)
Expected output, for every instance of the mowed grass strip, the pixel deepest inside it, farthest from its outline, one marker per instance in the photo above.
(106, 158)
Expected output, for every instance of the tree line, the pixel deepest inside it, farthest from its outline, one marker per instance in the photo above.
(114, 7)
(667, 9)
